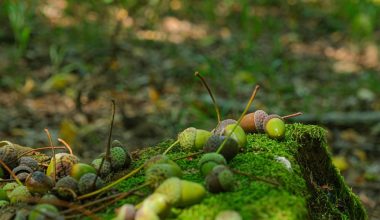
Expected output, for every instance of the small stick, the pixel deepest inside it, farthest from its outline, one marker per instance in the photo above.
(108, 147)
(10, 172)
(211, 95)
(292, 115)
(66, 145)
(241, 117)
(171, 146)
(53, 150)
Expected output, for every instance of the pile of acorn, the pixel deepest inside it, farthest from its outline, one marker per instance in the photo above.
(66, 179)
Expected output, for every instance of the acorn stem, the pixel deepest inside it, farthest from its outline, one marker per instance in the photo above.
(10, 172)
(108, 147)
(133, 172)
(204, 83)
(292, 115)
(241, 117)
(255, 177)
(66, 145)
(53, 150)
(170, 147)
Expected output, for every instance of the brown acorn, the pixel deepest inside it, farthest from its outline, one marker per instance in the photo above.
(230, 149)
(39, 182)
(220, 179)
(253, 122)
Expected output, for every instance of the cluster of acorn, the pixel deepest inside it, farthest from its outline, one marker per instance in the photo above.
(65, 178)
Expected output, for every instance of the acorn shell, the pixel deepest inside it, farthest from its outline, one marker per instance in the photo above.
(220, 179)
(209, 160)
(106, 167)
(219, 130)
(157, 173)
(238, 134)
(181, 193)
(79, 169)
(64, 162)
(66, 188)
(230, 149)
(39, 182)
(86, 183)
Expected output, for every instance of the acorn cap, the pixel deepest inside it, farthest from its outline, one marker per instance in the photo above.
(248, 123)
(128, 158)
(219, 130)
(79, 169)
(239, 134)
(118, 157)
(157, 173)
(259, 117)
(29, 162)
(220, 179)
(230, 149)
(66, 188)
(39, 182)
(106, 167)
(187, 138)
(22, 169)
(208, 161)
(86, 183)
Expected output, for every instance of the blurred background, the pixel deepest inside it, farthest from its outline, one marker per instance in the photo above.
(63, 61)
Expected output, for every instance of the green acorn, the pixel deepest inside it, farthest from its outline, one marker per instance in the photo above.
(38, 182)
(79, 169)
(128, 158)
(230, 149)
(118, 158)
(219, 130)
(209, 160)
(159, 172)
(66, 188)
(106, 168)
(44, 212)
(20, 194)
(146, 214)
(181, 193)
(126, 212)
(3, 195)
(86, 183)
(274, 127)
(238, 134)
(158, 203)
(193, 139)
(64, 163)
(220, 179)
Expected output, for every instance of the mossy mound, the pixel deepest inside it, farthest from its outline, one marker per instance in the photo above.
(310, 188)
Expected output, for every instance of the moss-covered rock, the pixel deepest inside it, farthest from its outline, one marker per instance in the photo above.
(305, 186)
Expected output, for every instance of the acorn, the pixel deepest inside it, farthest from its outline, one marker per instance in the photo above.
(66, 188)
(44, 212)
(209, 160)
(126, 212)
(228, 215)
(128, 159)
(64, 162)
(106, 167)
(253, 122)
(38, 182)
(79, 169)
(181, 193)
(3, 203)
(146, 214)
(118, 158)
(86, 183)
(274, 127)
(29, 162)
(158, 159)
(158, 203)
(9, 187)
(49, 198)
(193, 139)
(220, 179)
(229, 150)
(20, 194)
(159, 172)
(238, 134)
(22, 172)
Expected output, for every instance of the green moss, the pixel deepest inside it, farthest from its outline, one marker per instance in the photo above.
(300, 193)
